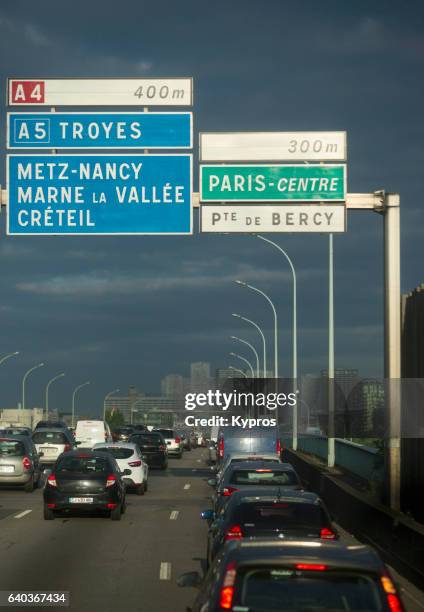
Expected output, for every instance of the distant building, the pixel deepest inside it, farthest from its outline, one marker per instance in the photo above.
(29, 417)
(172, 386)
(123, 403)
(200, 376)
(412, 441)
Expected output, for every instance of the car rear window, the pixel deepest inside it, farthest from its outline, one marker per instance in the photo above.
(83, 464)
(11, 448)
(152, 438)
(278, 589)
(17, 432)
(167, 433)
(264, 477)
(49, 437)
(117, 452)
(283, 514)
(124, 430)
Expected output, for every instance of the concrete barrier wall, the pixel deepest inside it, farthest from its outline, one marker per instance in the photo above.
(399, 539)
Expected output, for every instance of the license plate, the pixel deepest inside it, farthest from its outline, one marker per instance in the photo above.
(80, 500)
(7, 469)
(49, 450)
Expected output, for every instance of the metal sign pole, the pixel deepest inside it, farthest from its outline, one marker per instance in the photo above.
(331, 457)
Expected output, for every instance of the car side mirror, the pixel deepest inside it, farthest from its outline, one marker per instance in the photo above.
(189, 579)
(207, 515)
(126, 472)
(212, 482)
(77, 443)
(143, 457)
(41, 454)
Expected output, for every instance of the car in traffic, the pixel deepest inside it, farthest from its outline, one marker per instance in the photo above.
(52, 442)
(275, 514)
(128, 456)
(16, 431)
(85, 481)
(242, 476)
(233, 458)
(173, 442)
(185, 440)
(122, 434)
(254, 441)
(89, 433)
(153, 447)
(19, 462)
(294, 576)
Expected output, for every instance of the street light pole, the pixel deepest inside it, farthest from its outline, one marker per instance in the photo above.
(73, 400)
(237, 370)
(243, 284)
(246, 361)
(253, 349)
(47, 391)
(294, 335)
(3, 359)
(104, 401)
(39, 365)
(262, 336)
(331, 451)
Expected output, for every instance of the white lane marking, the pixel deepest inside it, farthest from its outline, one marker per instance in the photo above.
(165, 571)
(198, 461)
(174, 515)
(194, 470)
(187, 486)
(21, 514)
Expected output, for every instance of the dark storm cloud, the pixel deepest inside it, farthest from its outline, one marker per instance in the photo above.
(129, 310)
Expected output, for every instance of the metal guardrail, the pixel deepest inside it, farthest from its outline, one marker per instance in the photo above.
(364, 461)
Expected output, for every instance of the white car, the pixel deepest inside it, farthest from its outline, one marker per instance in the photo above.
(89, 433)
(128, 457)
(174, 444)
(51, 443)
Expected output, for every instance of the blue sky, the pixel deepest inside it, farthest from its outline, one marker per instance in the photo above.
(122, 311)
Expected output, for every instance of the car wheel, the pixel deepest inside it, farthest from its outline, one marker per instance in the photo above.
(124, 506)
(29, 486)
(48, 513)
(164, 466)
(140, 489)
(145, 486)
(115, 514)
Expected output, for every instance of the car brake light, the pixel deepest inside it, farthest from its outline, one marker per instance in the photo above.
(51, 480)
(67, 448)
(315, 567)
(393, 600)
(134, 463)
(51, 506)
(221, 448)
(227, 590)
(234, 533)
(327, 534)
(263, 471)
(178, 439)
(110, 480)
(228, 491)
(111, 506)
(162, 447)
(278, 446)
(26, 462)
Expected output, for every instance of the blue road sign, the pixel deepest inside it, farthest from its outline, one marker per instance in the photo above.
(99, 194)
(99, 131)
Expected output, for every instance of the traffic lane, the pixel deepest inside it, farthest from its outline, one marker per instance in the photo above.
(412, 597)
(107, 565)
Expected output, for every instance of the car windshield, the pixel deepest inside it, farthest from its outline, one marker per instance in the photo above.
(117, 451)
(167, 433)
(278, 590)
(83, 464)
(11, 448)
(280, 514)
(147, 439)
(263, 477)
(49, 437)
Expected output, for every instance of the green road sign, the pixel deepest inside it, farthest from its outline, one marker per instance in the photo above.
(273, 183)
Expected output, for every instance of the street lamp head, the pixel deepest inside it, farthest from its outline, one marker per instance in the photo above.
(242, 283)
(233, 338)
(232, 354)
(16, 353)
(236, 315)
(40, 365)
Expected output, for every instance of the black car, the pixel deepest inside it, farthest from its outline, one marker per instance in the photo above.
(276, 513)
(153, 447)
(294, 575)
(50, 424)
(122, 434)
(85, 480)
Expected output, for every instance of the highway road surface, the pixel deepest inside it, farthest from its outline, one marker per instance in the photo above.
(129, 565)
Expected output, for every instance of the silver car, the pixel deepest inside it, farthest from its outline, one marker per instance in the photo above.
(19, 462)
(52, 443)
